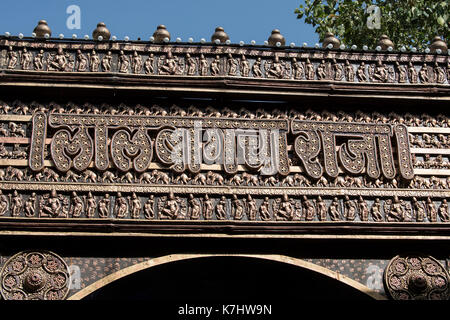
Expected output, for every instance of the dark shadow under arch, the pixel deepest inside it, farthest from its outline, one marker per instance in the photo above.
(232, 279)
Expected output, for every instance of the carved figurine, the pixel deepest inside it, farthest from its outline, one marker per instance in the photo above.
(363, 209)
(107, 62)
(375, 211)
(338, 71)
(256, 68)
(191, 65)
(244, 66)
(321, 209)
(221, 209)
(203, 65)
(136, 63)
(50, 205)
(309, 209)
(149, 64)
(103, 206)
(412, 73)
(395, 210)
(91, 205)
(439, 74)
(335, 210)
(149, 212)
(322, 73)
(283, 209)
(401, 71)
(350, 209)
(349, 71)
(361, 72)
(274, 69)
(309, 70)
(443, 211)
(431, 211)
(121, 206)
(57, 61)
(77, 205)
(264, 210)
(30, 205)
(94, 61)
(39, 61)
(4, 204)
(237, 211)
(135, 206)
(124, 62)
(380, 74)
(194, 208)
(232, 65)
(170, 209)
(12, 58)
(82, 61)
(298, 69)
(26, 59)
(215, 66)
(423, 74)
(16, 204)
(208, 208)
(251, 208)
(169, 65)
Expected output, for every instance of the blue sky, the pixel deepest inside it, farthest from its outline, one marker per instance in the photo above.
(244, 20)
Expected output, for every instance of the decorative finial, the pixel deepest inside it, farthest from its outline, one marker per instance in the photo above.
(42, 29)
(331, 39)
(438, 43)
(385, 42)
(101, 31)
(161, 33)
(220, 35)
(275, 37)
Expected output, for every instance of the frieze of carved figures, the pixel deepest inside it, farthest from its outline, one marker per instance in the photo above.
(189, 206)
(427, 140)
(416, 277)
(35, 275)
(233, 62)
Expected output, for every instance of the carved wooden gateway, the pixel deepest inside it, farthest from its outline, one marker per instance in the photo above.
(182, 140)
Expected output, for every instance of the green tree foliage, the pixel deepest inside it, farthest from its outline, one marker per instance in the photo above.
(412, 23)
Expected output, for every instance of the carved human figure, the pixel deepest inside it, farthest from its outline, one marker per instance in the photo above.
(149, 64)
(221, 209)
(91, 205)
(361, 72)
(256, 68)
(380, 73)
(4, 204)
(26, 59)
(264, 210)
(203, 65)
(251, 207)
(50, 205)
(16, 204)
(335, 210)
(321, 209)
(169, 65)
(443, 211)
(82, 61)
(77, 205)
(39, 61)
(244, 66)
(396, 211)
(58, 61)
(107, 62)
(375, 211)
(439, 73)
(298, 69)
(30, 205)
(13, 58)
(232, 65)
(136, 63)
(363, 209)
(94, 61)
(135, 206)
(124, 62)
(121, 206)
(423, 74)
(431, 211)
(215, 66)
(285, 210)
(412, 73)
(191, 65)
(309, 210)
(171, 208)
(208, 208)
(349, 71)
(401, 71)
(338, 71)
(237, 208)
(321, 70)
(194, 207)
(103, 206)
(274, 69)
(350, 209)
(309, 70)
(149, 212)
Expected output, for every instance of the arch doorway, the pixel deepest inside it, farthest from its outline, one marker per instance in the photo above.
(218, 278)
